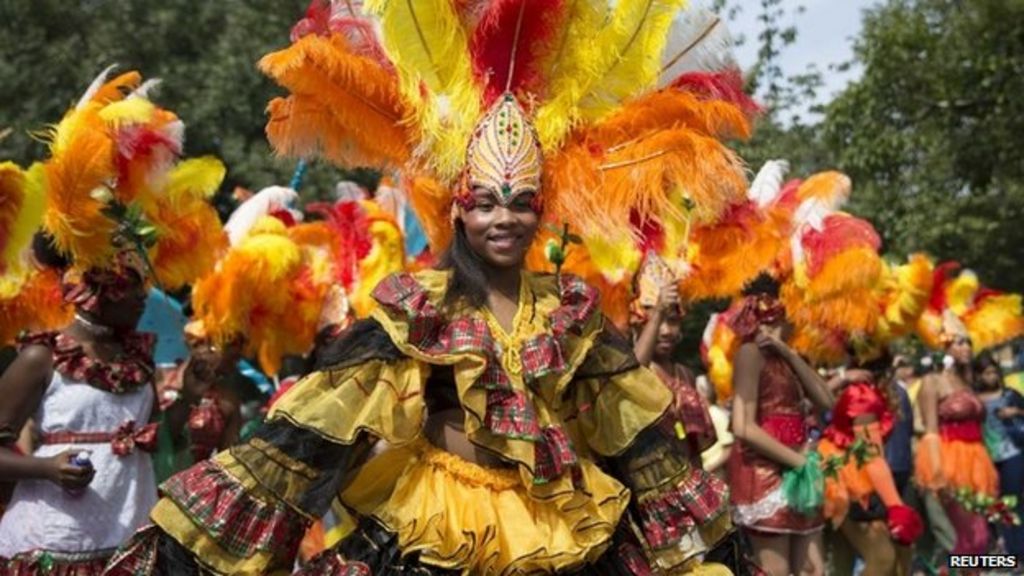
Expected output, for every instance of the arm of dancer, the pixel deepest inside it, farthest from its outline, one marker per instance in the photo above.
(813, 384)
(928, 466)
(746, 379)
(22, 387)
(245, 510)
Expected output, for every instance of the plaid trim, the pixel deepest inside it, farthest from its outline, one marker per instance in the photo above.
(432, 334)
(553, 455)
(133, 368)
(698, 498)
(137, 555)
(240, 523)
(511, 414)
(54, 563)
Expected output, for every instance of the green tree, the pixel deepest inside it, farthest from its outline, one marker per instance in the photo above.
(205, 52)
(931, 133)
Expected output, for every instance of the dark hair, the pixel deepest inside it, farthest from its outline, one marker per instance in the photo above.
(984, 361)
(764, 284)
(47, 254)
(468, 281)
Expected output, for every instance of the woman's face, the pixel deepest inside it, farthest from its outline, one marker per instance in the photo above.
(960, 350)
(670, 332)
(215, 360)
(990, 378)
(123, 307)
(499, 234)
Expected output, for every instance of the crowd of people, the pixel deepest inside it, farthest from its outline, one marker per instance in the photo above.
(476, 367)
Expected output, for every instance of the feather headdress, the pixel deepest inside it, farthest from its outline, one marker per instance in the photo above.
(960, 306)
(624, 144)
(114, 180)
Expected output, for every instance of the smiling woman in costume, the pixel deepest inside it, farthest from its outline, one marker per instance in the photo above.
(508, 406)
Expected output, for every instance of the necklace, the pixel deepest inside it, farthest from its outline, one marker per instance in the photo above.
(511, 342)
(92, 327)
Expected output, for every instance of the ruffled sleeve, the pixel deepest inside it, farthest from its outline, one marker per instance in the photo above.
(614, 397)
(246, 510)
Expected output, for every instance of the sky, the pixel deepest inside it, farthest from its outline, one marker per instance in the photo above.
(825, 34)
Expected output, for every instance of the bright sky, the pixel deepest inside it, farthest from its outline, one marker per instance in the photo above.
(825, 34)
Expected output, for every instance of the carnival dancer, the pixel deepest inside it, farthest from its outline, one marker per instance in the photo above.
(951, 461)
(657, 317)
(862, 500)
(498, 391)
(121, 208)
(772, 383)
(952, 456)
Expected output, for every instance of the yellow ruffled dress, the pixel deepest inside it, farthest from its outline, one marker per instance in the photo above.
(553, 398)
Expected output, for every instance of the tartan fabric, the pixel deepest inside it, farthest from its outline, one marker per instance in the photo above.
(137, 555)
(667, 515)
(330, 563)
(433, 334)
(511, 414)
(429, 331)
(554, 455)
(240, 523)
(54, 564)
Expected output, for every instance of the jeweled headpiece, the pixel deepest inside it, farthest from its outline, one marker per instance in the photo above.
(504, 154)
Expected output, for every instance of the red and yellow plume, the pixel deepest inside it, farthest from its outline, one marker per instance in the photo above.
(960, 306)
(114, 178)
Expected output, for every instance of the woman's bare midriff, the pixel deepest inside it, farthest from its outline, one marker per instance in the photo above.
(445, 429)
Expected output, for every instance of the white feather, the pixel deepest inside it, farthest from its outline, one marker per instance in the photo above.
(698, 41)
(709, 330)
(261, 204)
(95, 86)
(143, 90)
(767, 185)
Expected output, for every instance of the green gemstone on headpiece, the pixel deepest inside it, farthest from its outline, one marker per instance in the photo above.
(506, 189)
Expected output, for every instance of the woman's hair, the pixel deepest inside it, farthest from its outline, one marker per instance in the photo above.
(983, 362)
(764, 284)
(468, 281)
(47, 254)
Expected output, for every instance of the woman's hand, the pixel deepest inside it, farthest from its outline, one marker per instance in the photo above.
(768, 341)
(60, 470)
(668, 296)
(1008, 412)
(199, 375)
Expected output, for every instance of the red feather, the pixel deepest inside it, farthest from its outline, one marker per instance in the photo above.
(839, 233)
(726, 86)
(652, 234)
(348, 220)
(943, 272)
(317, 20)
(520, 26)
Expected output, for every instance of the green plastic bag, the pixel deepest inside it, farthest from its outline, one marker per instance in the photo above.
(804, 487)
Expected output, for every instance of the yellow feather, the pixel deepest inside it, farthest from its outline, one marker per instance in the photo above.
(21, 203)
(569, 69)
(607, 66)
(130, 111)
(998, 319)
(960, 292)
(630, 63)
(195, 179)
(429, 48)
(617, 258)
